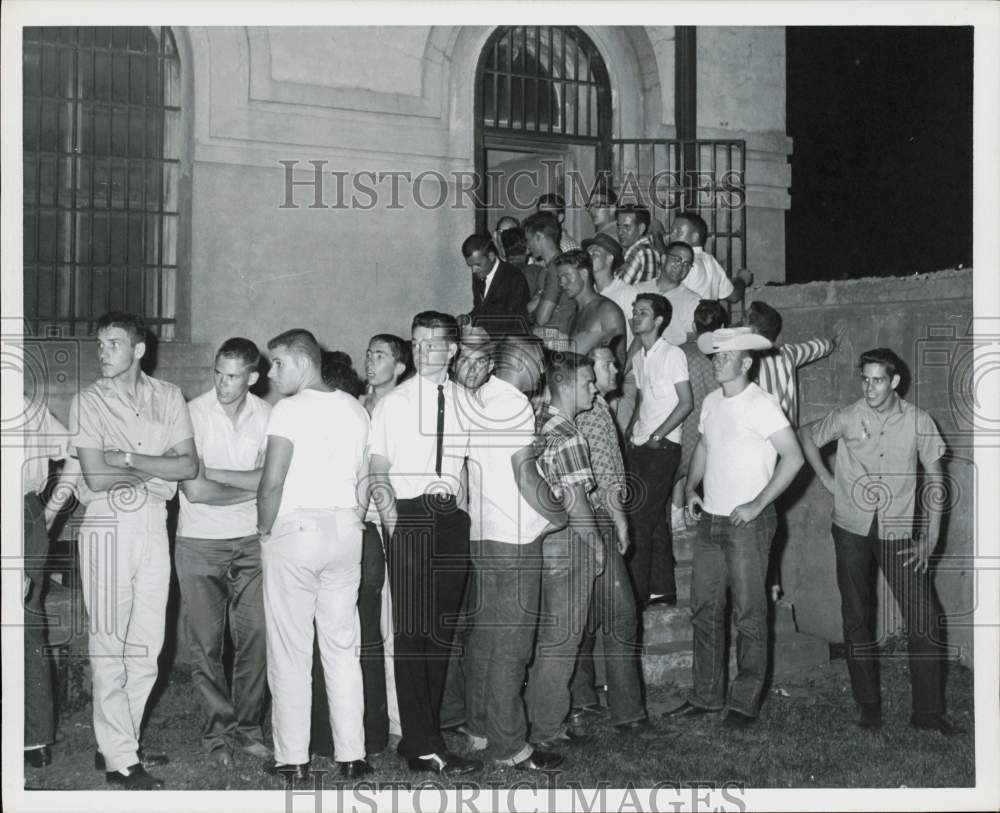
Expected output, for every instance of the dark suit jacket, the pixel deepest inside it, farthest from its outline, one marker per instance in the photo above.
(505, 308)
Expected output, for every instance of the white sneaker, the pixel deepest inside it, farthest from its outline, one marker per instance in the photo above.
(677, 521)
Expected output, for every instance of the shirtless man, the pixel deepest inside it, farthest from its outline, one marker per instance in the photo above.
(598, 321)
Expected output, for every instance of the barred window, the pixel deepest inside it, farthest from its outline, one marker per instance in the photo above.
(101, 174)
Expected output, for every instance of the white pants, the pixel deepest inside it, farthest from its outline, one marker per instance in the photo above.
(125, 567)
(312, 569)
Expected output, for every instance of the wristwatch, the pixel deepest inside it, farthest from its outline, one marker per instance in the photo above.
(128, 460)
(655, 438)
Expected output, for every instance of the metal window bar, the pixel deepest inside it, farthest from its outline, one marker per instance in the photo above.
(635, 164)
(83, 117)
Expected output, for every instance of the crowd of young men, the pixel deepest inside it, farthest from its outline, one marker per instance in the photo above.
(495, 469)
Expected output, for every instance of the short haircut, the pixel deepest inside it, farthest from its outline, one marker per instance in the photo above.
(507, 351)
(696, 220)
(680, 244)
(554, 201)
(508, 219)
(131, 323)
(641, 213)
(400, 350)
(299, 341)
(562, 366)
(661, 307)
(340, 375)
(576, 258)
(893, 364)
(435, 320)
(478, 242)
(242, 349)
(764, 319)
(514, 241)
(709, 316)
(543, 223)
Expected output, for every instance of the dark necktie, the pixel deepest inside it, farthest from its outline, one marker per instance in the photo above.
(440, 430)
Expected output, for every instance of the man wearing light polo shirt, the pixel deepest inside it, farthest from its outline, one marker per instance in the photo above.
(417, 452)
(511, 508)
(217, 553)
(675, 264)
(654, 445)
(134, 443)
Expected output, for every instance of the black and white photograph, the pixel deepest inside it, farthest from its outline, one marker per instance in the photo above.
(500, 406)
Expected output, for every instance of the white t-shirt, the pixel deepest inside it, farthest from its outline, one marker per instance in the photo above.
(404, 432)
(683, 302)
(223, 446)
(658, 371)
(707, 277)
(740, 459)
(329, 431)
(503, 424)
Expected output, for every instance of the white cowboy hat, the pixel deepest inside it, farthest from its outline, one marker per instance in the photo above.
(731, 338)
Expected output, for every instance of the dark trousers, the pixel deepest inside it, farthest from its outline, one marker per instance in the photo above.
(613, 618)
(372, 658)
(857, 558)
(221, 580)
(727, 556)
(651, 558)
(428, 558)
(39, 699)
(503, 619)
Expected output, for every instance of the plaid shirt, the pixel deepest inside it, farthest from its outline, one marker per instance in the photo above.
(566, 459)
(598, 428)
(641, 263)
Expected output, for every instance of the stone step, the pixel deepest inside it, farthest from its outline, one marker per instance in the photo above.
(666, 625)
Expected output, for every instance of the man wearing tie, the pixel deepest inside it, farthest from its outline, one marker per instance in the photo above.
(499, 290)
(417, 450)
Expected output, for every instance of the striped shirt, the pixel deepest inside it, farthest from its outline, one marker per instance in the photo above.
(777, 372)
(641, 263)
(565, 462)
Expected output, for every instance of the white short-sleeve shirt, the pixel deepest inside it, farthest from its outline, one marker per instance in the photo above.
(707, 277)
(224, 446)
(404, 432)
(740, 457)
(501, 424)
(658, 371)
(329, 431)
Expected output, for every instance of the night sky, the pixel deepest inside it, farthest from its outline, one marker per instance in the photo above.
(881, 120)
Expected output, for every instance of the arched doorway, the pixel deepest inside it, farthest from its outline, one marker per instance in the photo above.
(542, 120)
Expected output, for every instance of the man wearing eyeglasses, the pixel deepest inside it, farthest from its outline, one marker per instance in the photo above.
(676, 264)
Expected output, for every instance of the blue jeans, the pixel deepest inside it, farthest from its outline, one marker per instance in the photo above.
(568, 572)
(613, 617)
(726, 556)
(502, 621)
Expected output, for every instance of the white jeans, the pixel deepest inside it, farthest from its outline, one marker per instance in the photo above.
(312, 569)
(125, 566)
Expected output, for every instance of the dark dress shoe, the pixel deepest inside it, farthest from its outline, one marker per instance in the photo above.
(871, 716)
(149, 759)
(38, 757)
(539, 761)
(134, 777)
(687, 709)
(445, 763)
(736, 719)
(354, 769)
(935, 722)
(632, 726)
(291, 772)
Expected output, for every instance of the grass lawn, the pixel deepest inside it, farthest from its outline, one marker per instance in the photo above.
(805, 738)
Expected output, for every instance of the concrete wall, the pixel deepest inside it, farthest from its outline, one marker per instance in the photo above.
(927, 320)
